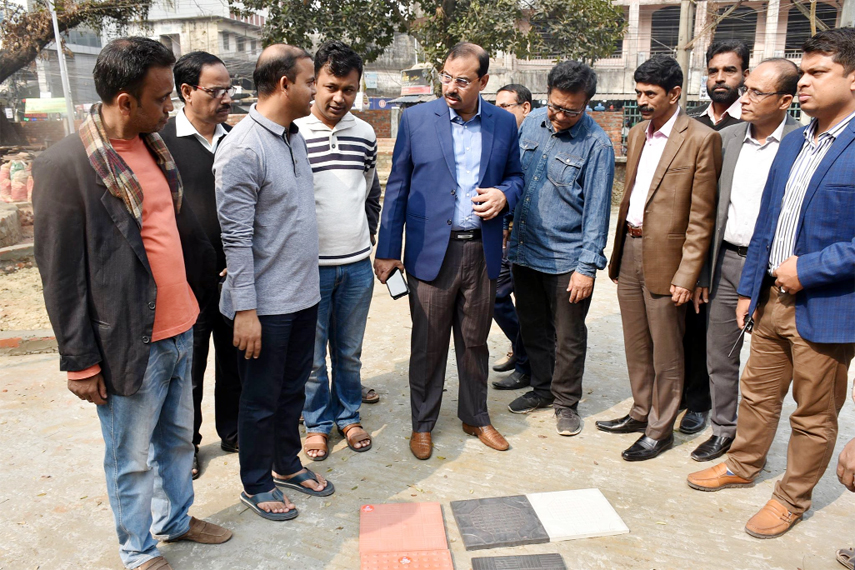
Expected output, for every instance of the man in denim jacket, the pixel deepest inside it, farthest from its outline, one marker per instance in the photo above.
(560, 230)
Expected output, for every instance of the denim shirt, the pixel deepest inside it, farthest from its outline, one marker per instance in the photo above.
(561, 221)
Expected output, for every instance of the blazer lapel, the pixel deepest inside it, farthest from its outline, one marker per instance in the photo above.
(443, 132)
(843, 140)
(732, 148)
(487, 127)
(636, 145)
(675, 141)
(126, 225)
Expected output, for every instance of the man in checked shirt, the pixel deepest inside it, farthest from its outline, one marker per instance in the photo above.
(798, 284)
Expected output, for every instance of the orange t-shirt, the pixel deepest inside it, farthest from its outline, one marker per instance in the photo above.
(176, 308)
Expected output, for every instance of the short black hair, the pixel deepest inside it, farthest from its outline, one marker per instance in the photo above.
(839, 43)
(123, 64)
(572, 77)
(661, 70)
(738, 47)
(521, 91)
(274, 65)
(788, 75)
(189, 66)
(466, 49)
(339, 58)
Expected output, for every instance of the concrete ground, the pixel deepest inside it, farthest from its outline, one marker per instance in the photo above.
(54, 511)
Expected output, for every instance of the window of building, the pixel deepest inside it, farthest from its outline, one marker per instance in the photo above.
(740, 25)
(253, 46)
(798, 25)
(241, 44)
(665, 31)
(226, 42)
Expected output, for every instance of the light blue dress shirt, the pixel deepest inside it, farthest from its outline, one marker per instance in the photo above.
(467, 159)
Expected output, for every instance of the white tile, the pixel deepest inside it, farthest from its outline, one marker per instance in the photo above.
(583, 513)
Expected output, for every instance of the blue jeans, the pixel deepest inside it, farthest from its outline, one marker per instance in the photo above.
(342, 314)
(149, 452)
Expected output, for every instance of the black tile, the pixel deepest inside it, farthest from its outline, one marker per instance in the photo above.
(496, 522)
(527, 562)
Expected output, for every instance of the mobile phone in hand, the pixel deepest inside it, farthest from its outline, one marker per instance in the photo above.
(396, 284)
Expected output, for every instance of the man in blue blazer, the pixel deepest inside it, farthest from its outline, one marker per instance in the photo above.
(798, 283)
(455, 171)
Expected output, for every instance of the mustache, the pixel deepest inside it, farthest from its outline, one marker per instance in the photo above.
(645, 109)
(454, 96)
(225, 108)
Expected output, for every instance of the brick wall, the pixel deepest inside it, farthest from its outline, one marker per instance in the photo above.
(612, 123)
(37, 132)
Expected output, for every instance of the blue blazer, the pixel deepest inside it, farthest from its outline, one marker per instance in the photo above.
(421, 189)
(825, 240)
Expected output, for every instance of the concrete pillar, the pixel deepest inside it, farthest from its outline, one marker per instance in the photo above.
(770, 42)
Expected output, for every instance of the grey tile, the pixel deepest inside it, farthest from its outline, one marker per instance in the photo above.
(496, 522)
(527, 562)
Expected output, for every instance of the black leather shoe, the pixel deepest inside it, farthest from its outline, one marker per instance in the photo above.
(625, 424)
(515, 381)
(505, 364)
(693, 422)
(647, 448)
(229, 445)
(712, 448)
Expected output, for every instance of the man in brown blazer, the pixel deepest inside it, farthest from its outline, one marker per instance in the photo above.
(664, 228)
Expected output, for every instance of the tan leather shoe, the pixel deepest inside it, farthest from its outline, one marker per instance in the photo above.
(204, 533)
(771, 521)
(421, 444)
(158, 563)
(715, 479)
(488, 435)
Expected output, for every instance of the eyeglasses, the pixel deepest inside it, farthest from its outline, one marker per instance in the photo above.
(569, 113)
(509, 105)
(758, 96)
(217, 92)
(461, 82)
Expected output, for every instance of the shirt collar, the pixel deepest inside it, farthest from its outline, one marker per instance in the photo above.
(735, 111)
(775, 136)
(665, 131)
(833, 132)
(314, 123)
(184, 128)
(274, 128)
(453, 114)
(572, 131)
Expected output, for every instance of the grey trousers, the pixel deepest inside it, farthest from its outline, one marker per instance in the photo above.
(722, 332)
(460, 299)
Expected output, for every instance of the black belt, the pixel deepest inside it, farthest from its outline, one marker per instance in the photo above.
(466, 235)
(741, 250)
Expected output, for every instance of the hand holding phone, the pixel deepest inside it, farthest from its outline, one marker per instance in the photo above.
(397, 285)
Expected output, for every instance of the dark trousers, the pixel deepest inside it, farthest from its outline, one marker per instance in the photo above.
(226, 377)
(696, 389)
(554, 333)
(459, 299)
(505, 315)
(274, 390)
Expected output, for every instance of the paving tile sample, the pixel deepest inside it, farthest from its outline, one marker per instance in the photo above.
(496, 522)
(583, 513)
(421, 560)
(526, 562)
(401, 527)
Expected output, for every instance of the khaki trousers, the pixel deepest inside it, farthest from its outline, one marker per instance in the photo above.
(653, 329)
(818, 374)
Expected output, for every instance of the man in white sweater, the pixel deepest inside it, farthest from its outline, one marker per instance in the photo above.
(343, 153)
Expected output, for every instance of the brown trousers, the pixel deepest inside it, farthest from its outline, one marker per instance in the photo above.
(460, 299)
(818, 374)
(653, 329)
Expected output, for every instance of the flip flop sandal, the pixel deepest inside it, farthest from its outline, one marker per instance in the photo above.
(846, 556)
(308, 475)
(369, 396)
(317, 446)
(198, 471)
(274, 496)
(349, 428)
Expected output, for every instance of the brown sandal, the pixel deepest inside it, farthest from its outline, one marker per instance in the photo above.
(349, 429)
(322, 446)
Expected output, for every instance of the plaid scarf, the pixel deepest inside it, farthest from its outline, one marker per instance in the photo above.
(119, 179)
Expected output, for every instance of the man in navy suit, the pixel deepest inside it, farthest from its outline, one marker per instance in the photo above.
(798, 284)
(455, 171)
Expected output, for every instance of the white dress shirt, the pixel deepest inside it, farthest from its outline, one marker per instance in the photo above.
(654, 145)
(184, 128)
(734, 111)
(749, 179)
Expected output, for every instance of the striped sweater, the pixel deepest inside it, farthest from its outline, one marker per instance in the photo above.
(343, 161)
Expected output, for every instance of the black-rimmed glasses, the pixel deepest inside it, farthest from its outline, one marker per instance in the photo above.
(569, 113)
(217, 92)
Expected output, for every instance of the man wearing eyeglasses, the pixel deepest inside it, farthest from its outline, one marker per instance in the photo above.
(747, 153)
(664, 227)
(455, 173)
(556, 246)
(192, 136)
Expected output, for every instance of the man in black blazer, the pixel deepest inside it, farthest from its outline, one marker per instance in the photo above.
(192, 136)
(119, 256)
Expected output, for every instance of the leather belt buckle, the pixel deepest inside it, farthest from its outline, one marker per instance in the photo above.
(634, 231)
(466, 235)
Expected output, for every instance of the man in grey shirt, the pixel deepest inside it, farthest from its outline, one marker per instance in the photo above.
(266, 207)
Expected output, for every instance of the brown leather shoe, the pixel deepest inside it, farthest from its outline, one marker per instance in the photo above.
(204, 533)
(771, 521)
(421, 444)
(715, 479)
(488, 436)
(158, 563)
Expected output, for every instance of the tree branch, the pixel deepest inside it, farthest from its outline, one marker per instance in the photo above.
(712, 25)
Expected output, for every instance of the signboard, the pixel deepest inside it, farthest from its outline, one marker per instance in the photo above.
(702, 94)
(8, 113)
(416, 82)
(371, 80)
(380, 103)
(52, 105)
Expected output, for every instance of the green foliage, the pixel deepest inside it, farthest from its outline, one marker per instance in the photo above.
(584, 30)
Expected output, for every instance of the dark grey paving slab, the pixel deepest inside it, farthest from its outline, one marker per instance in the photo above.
(526, 562)
(496, 522)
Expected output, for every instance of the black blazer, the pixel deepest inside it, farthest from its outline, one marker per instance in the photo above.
(98, 287)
